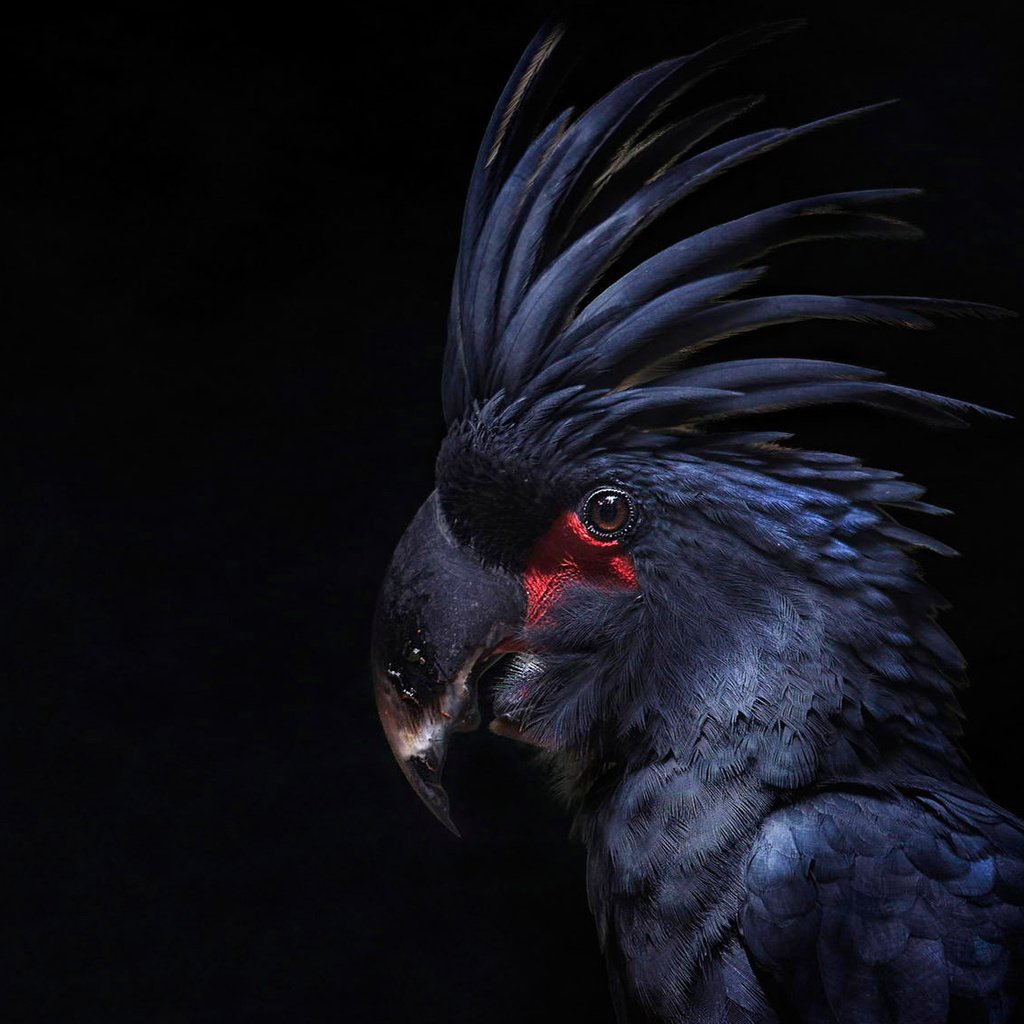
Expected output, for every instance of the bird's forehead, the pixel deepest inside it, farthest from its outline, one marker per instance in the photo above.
(497, 494)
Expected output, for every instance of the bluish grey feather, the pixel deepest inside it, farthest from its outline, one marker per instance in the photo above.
(607, 156)
(652, 155)
(498, 146)
(569, 160)
(740, 373)
(727, 245)
(642, 360)
(482, 288)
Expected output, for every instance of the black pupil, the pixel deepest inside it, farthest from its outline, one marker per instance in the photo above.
(609, 511)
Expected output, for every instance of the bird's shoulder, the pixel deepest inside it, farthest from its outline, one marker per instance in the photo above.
(894, 905)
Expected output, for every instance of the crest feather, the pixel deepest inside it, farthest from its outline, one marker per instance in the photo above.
(549, 213)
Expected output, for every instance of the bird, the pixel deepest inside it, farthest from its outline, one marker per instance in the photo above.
(719, 642)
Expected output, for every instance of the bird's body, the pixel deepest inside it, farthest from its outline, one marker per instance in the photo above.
(722, 641)
(852, 904)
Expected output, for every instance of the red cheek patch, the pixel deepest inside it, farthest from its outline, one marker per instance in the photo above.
(568, 554)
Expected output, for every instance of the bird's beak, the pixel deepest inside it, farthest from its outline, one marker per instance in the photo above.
(439, 615)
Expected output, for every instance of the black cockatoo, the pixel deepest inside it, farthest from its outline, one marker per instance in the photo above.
(721, 641)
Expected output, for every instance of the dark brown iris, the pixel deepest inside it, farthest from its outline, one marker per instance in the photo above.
(608, 512)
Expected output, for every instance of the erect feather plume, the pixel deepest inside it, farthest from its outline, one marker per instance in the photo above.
(549, 212)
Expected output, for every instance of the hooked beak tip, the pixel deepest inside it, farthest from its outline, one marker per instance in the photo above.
(430, 791)
(418, 736)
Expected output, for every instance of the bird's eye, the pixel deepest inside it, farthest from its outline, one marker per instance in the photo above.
(609, 513)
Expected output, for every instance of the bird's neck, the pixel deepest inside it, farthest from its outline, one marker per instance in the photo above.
(807, 687)
(666, 853)
(819, 698)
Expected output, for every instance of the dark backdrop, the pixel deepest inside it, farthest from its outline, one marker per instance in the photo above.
(230, 237)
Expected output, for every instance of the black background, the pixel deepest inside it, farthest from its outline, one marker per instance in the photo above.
(230, 237)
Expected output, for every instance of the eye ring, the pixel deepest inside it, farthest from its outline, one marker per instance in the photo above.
(608, 513)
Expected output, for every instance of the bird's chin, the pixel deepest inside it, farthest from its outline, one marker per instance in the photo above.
(503, 680)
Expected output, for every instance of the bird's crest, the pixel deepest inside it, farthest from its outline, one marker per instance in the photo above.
(549, 213)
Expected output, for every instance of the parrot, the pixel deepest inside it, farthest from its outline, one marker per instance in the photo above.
(719, 642)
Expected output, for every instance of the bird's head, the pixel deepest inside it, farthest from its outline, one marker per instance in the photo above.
(647, 578)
